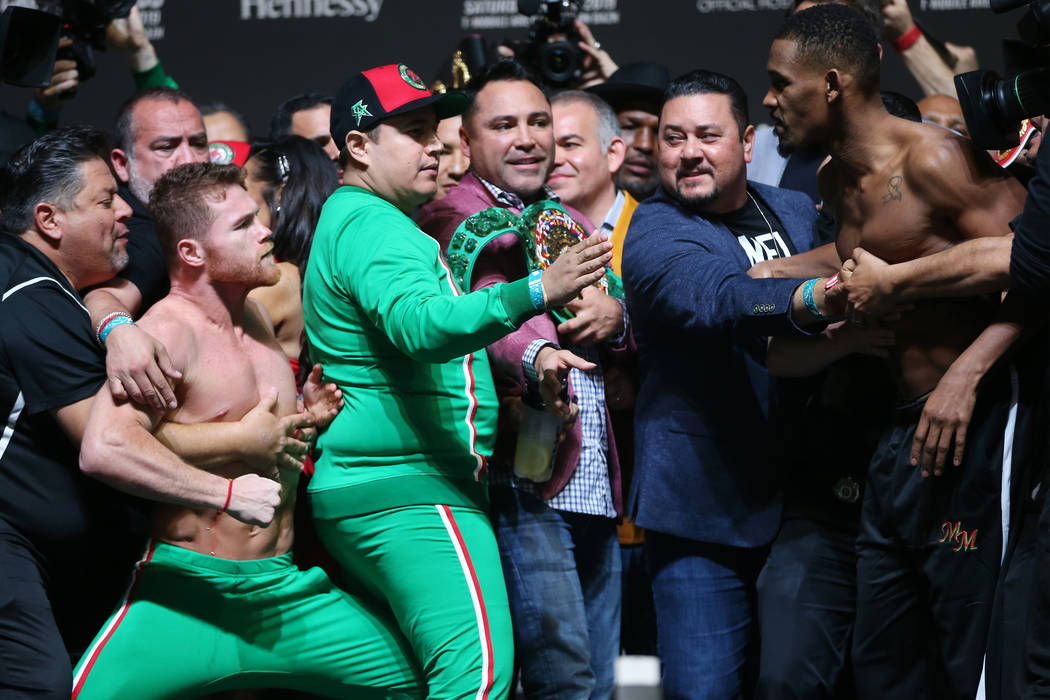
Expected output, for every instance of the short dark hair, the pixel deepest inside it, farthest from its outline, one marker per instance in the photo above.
(179, 201)
(504, 70)
(309, 176)
(836, 36)
(281, 121)
(901, 106)
(871, 9)
(48, 170)
(216, 107)
(124, 131)
(706, 82)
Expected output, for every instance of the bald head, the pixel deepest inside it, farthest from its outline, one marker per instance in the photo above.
(945, 111)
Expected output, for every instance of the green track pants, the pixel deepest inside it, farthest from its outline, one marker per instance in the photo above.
(194, 624)
(438, 568)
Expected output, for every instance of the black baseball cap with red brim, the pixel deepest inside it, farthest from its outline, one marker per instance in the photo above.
(370, 97)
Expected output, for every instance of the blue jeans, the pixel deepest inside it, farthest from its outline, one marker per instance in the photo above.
(563, 582)
(705, 603)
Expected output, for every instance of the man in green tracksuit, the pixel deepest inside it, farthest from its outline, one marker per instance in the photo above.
(400, 490)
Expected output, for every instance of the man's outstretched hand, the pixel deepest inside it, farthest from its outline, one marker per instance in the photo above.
(321, 401)
(552, 367)
(866, 282)
(272, 441)
(597, 317)
(139, 368)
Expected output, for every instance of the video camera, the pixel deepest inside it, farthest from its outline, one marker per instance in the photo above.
(29, 37)
(551, 49)
(993, 106)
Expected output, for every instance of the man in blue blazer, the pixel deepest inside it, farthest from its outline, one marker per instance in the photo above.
(704, 489)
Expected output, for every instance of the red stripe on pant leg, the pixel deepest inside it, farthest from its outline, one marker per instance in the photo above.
(470, 419)
(481, 600)
(113, 628)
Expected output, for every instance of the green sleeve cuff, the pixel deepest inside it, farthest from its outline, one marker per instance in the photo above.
(517, 301)
(154, 77)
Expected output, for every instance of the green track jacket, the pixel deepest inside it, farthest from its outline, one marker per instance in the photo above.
(386, 321)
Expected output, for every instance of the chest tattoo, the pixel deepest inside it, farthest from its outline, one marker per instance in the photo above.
(894, 193)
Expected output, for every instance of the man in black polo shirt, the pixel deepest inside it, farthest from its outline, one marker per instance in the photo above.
(62, 229)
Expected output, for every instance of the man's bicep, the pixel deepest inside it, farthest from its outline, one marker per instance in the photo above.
(74, 418)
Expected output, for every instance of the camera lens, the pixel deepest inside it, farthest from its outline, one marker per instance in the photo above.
(560, 63)
(994, 107)
(557, 61)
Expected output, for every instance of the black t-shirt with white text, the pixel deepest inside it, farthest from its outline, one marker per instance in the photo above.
(758, 230)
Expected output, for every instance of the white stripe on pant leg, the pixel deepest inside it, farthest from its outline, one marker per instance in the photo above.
(1008, 458)
(88, 660)
(1005, 482)
(475, 596)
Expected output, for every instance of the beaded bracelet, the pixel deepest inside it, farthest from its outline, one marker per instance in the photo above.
(110, 322)
(106, 319)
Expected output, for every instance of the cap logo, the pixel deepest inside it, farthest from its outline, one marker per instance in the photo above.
(360, 111)
(220, 153)
(410, 77)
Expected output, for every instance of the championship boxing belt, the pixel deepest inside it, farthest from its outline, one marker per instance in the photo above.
(544, 230)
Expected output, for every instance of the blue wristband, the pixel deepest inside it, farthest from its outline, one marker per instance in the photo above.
(536, 290)
(111, 324)
(807, 299)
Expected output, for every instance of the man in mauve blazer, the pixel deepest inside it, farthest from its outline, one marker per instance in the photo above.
(498, 264)
(703, 488)
(557, 538)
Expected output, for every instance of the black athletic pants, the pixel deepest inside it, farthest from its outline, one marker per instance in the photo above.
(928, 554)
(1037, 650)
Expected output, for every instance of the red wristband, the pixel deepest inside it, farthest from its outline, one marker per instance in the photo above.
(831, 281)
(229, 495)
(906, 40)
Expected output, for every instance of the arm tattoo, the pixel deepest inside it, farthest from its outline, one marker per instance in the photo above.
(894, 187)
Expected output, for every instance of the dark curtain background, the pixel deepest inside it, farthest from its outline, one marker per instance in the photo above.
(253, 54)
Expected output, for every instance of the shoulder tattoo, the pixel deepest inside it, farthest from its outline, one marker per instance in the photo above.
(893, 187)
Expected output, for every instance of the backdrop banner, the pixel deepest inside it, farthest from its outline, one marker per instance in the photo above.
(253, 54)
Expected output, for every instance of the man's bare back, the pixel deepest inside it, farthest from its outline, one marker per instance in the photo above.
(924, 189)
(226, 368)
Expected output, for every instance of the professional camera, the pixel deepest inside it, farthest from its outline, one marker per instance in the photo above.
(552, 49)
(993, 106)
(29, 37)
